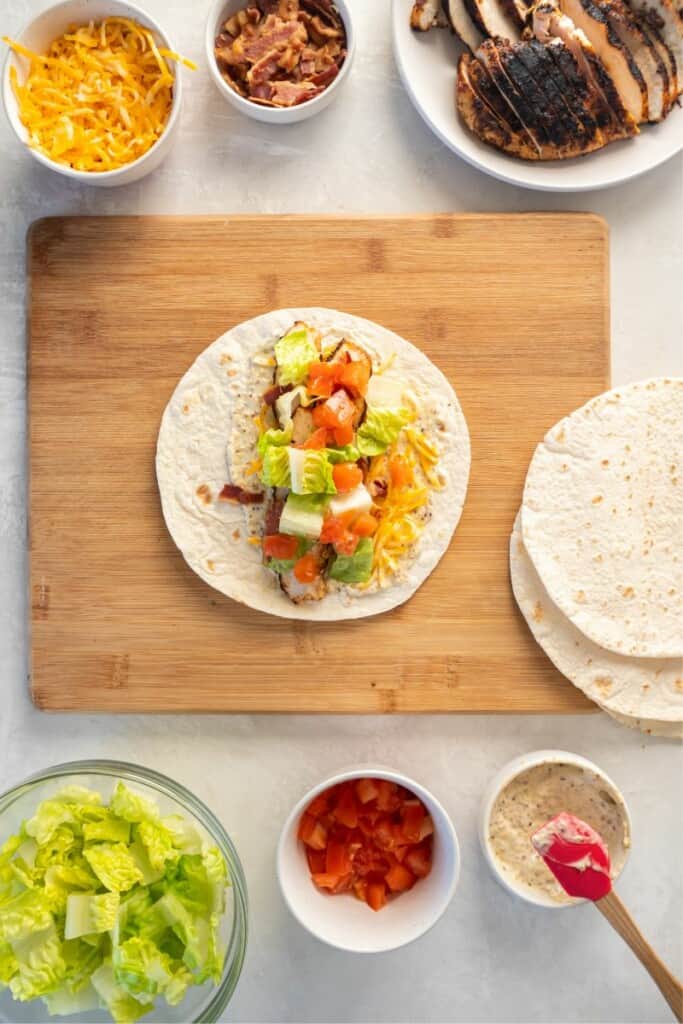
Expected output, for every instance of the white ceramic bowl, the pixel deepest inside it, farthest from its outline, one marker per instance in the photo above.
(219, 12)
(38, 35)
(343, 921)
(506, 774)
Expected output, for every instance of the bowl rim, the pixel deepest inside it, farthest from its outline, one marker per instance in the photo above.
(277, 114)
(502, 778)
(392, 775)
(136, 773)
(140, 14)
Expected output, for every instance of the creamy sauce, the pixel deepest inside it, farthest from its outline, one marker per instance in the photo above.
(530, 800)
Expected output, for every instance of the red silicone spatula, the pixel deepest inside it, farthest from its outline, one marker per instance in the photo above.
(578, 857)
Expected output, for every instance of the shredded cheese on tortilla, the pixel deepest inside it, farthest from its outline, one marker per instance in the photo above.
(99, 98)
(400, 519)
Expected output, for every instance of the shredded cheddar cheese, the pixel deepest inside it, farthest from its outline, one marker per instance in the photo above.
(99, 98)
(400, 519)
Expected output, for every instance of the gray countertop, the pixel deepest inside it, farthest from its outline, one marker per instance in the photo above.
(490, 958)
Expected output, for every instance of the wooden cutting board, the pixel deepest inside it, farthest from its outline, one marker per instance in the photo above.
(513, 309)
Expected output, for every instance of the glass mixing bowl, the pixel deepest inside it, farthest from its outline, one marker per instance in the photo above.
(204, 1003)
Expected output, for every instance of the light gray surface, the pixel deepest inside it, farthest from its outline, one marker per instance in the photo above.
(489, 959)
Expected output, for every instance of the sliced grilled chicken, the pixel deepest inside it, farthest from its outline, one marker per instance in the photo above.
(520, 104)
(666, 56)
(663, 19)
(425, 15)
(548, 23)
(593, 97)
(644, 53)
(492, 19)
(479, 104)
(567, 96)
(590, 16)
(462, 23)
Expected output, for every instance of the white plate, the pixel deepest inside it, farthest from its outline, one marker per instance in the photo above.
(427, 62)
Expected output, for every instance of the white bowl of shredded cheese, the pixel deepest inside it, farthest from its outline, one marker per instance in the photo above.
(119, 140)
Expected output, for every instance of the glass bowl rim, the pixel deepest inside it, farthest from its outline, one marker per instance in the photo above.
(132, 772)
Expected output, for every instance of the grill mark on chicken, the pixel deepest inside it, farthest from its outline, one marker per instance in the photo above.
(644, 54)
(574, 89)
(667, 56)
(578, 124)
(476, 77)
(489, 56)
(593, 98)
(474, 90)
(662, 17)
(547, 120)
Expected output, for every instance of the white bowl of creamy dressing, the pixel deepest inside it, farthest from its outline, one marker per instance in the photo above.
(529, 791)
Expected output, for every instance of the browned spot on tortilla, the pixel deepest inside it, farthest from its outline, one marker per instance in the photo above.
(597, 499)
(209, 565)
(603, 683)
(204, 492)
(564, 467)
(605, 462)
(597, 558)
(627, 591)
(236, 534)
(186, 408)
(225, 358)
(537, 614)
(232, 373)
(678, 685)
(580, 596)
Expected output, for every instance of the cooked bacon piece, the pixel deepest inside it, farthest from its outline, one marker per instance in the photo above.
(231, 492)
(274, 509)
(282, 52)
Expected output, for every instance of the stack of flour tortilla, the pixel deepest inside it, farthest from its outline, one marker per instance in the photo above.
(596, 553)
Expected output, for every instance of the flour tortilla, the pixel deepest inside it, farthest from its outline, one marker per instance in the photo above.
(602, 518)
(644, 693)
(208, 438)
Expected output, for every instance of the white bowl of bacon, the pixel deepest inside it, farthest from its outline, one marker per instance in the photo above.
(368, 860)
(279, 70)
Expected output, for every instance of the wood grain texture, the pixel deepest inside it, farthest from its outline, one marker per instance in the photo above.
(611, 907)
(513, 309)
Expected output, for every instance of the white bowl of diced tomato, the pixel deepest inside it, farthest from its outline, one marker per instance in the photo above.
(368, 860)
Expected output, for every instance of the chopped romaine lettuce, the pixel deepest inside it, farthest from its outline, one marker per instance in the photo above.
(88, 912)
(310, 472)
(275, 470)
(302, 515)
(380, 429)
(108, 906)
(348, 453)
(294, 354)
(273, 438)
(355, 568)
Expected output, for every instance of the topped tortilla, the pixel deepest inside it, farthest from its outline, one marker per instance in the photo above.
(221, 476)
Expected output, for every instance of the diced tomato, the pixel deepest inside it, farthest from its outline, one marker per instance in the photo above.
(346, 811)
(419, 860)
(364, 525)
(388, 798)
(337, 411)
(335, 883)
(280, 545)
(343, 435)
(400, 472)
(347, 476)
(322, 378)
(412, 816)
(317, 860)
(307, 569)
(365, 837)
(366, 790)
(313, 833)
(320, 804)
(318, 439)
(338, 861)
(399, 878)
(376, 895)
(335, 532)
(354, 377)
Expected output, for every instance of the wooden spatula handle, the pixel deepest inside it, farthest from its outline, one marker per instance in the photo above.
(618, 916)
